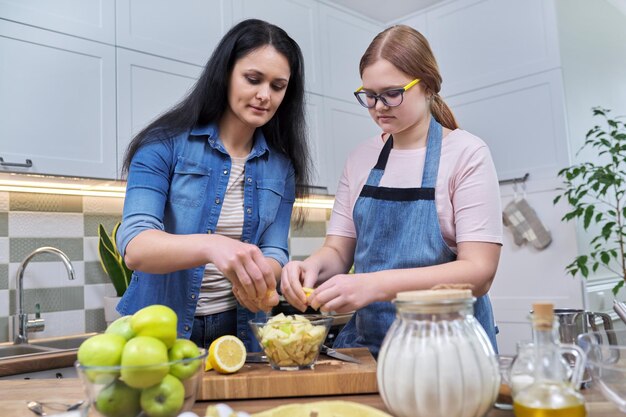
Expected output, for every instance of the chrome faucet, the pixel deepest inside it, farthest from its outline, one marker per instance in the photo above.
(20, 320)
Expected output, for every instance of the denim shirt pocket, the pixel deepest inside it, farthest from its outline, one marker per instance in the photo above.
(189, 183)
(270, 193)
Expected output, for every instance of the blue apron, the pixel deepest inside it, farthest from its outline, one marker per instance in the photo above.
(398, 228)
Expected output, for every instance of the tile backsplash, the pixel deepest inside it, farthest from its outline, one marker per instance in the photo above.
(70, 223)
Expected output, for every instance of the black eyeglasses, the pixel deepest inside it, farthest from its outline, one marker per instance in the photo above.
(390, 98)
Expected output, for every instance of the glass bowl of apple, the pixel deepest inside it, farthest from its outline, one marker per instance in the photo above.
(139, 368)
(291, 342)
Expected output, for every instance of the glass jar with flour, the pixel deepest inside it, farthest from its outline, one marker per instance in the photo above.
(436, 359)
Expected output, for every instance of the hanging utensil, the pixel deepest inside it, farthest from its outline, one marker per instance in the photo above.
(620, 309)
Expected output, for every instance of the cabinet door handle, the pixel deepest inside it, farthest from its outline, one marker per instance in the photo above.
(28, 163)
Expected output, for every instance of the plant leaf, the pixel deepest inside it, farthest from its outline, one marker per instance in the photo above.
(111, 261)
(605, 258)
(110, 265)
(588, 216)
(105, 239)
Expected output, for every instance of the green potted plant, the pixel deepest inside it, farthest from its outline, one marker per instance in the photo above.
(595, 192)
(114, 266)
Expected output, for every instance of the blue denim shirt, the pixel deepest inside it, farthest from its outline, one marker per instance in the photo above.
(178, 185)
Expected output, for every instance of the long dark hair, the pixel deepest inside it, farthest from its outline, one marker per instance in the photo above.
(206, 102)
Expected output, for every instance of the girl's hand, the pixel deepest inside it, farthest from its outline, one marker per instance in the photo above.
(244, 265)
(294, 276)
(346, 292)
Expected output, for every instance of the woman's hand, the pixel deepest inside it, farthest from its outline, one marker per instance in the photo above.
(244, 265)
(260, 304)
(346, 292)
(294, 276)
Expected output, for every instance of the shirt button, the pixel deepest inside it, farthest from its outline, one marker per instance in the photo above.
(249, 210)
(225, 171)
(246, 241)
(217, 200)
(186, 328)
(242, 334)
(193, 296)
(249, 179)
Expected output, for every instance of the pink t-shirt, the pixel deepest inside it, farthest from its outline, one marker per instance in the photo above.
(467, 194)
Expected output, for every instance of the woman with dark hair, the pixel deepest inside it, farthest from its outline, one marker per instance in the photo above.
(211, 187)
(417, 205)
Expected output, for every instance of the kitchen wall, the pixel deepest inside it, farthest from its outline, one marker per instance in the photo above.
(593, 52)
(29, 221)
(524, 76)
(114, 65)
(121, 63)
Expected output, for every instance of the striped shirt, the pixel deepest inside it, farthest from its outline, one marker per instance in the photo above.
(216, 293)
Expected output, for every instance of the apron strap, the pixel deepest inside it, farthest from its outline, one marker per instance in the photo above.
(384, 154)
(433, 153)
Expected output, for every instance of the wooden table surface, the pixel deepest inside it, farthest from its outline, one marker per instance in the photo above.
(14, 394)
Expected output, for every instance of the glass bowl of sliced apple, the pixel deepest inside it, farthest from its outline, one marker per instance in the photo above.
(291, 342)
(139, 368)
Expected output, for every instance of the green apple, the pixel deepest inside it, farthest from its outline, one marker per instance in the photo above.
(101, 350)
(122, 327)
(184, 349)
(118, 400)
(144, 362)
(165, 399)
(156, 321)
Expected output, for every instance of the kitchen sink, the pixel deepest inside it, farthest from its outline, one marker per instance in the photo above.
(9, 351)
(61, 343)
(39, 346)
(51, 357)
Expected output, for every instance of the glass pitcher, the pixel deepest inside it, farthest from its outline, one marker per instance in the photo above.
(550, 392)
(436, 359)
(522, 369)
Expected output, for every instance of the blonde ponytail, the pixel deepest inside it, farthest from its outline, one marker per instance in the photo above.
(442, 112)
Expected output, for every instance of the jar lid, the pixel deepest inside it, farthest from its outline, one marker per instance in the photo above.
(434, 295)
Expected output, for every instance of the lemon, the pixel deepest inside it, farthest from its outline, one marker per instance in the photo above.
(227, 354)
(307, 291)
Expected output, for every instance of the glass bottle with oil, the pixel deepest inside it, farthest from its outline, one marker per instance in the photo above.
(552, 393)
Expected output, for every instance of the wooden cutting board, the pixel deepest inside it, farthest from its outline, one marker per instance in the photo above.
(329, 377)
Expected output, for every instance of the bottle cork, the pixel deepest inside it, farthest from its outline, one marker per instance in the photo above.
(543, 315)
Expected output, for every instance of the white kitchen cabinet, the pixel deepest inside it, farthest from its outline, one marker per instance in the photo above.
(186, 30)
(300, 20)
(522, 121)
(315, 135)
(344, 39)
(345, 126)
(93, 20)
(146, 87)
(480, 43)
(57, 106)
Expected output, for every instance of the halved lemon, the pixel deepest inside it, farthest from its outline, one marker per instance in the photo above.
(307, 291)
(227, 354)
